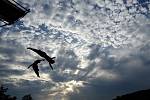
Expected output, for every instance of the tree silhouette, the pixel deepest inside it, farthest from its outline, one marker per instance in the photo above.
(27, 97)
(4, 96)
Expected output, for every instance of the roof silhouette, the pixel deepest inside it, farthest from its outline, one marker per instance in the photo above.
(11, 11)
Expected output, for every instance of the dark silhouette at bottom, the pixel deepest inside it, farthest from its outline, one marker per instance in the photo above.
(27, 97)
(3, 96)
(35, 66)
(139, 95)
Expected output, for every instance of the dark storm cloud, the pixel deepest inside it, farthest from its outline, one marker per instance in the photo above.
(97, 51)
(66, 59)
(8, 72)
(24, 87)
(136, 64)
(132, 72)
(9, 50)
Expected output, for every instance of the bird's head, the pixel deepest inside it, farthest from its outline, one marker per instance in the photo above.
(51, 60)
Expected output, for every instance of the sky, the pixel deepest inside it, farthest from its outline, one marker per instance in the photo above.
(102, 49)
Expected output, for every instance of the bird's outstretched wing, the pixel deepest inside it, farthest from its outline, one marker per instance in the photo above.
(51, 66)
(29, 66)
(41, 53)
(36, 70)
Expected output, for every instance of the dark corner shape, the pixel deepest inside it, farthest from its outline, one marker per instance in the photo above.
(11, 11)
(139, 95)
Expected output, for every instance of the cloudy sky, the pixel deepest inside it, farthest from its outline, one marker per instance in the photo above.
(102, 49)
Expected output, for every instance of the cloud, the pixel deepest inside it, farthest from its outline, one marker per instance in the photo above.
(101, 49)
(126, 69)
(82, 17)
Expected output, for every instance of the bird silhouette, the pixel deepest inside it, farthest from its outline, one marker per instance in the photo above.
(35, 66)
(44, 55)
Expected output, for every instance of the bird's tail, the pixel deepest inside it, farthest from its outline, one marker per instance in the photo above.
(50, 66)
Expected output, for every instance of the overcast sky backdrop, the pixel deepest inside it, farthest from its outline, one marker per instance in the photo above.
(102, 49)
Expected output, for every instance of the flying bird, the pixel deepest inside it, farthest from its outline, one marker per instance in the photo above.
(35, 66)
(44, 55)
